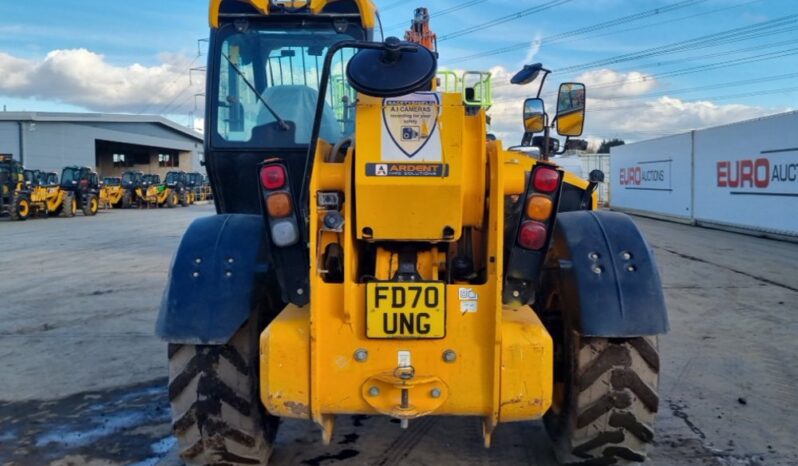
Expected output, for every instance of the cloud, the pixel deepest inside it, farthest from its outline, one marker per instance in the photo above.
(667, 115)
(84, 78)
(534, 49)
(619, 110)
(605, 83)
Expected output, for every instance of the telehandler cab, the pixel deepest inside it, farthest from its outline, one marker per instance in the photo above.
(83, 186)
(375, 252)
(178, 183)
(133, 191)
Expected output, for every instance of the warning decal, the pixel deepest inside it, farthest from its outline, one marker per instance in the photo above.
(407, 169)
(410, 128)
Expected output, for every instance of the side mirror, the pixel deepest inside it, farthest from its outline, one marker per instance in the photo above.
(596, 176)
(571, 109)
(534, 115)
(394, 69)
(527, 74)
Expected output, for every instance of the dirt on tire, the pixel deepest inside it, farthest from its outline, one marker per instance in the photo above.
(610, 403)
(217, 415)
(67, 209)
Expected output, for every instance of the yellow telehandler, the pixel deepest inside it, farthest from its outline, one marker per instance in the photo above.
(111, 192)
(377, 252)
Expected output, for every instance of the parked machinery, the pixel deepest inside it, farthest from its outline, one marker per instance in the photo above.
(14, 197)
(83, 185)
(177, 182)
(390, 258)
(133, 193)
(111, 192)
(198, 184)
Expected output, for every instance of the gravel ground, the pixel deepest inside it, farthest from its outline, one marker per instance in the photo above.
(83, 379)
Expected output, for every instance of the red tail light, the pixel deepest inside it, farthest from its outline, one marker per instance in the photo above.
(532, 235)
(546, 179)
(272, 176)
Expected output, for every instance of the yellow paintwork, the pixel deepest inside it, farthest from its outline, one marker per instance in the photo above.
(570, 124)
(47, 199)
(111, 196)
(152, 197)
(284, 364)
(368, 11)
(527, 365)
(428, 204)
(504, 357)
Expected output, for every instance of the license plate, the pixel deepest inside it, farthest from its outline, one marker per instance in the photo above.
(405, 310)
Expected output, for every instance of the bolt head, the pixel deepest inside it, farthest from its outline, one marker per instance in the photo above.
(230, 260)
(597, 270)
(361, 355)
(626, 255)
(228, 274)
(195, 274)
(374, 391)
(449, 356)
(435, 393)
(198, 260)
(594, 256)
(631, 268)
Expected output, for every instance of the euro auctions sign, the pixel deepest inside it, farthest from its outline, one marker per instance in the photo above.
(772, 173)
(654, 175)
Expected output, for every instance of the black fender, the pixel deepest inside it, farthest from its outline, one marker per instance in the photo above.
(218, 275)
(607, 277)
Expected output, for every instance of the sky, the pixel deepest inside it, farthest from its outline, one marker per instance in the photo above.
(652, 67)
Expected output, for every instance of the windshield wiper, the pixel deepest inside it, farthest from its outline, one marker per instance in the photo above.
(280, 121)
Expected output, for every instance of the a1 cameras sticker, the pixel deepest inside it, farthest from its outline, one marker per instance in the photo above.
(410, 128)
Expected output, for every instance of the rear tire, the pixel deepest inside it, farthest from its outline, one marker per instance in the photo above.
(90, 205)
(184, 200)
(20, 208)
(69, 206)
(127, 200)
(172, 200)
(609, 402)
(217, 414)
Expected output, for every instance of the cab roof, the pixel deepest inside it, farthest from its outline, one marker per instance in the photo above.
(365, 9)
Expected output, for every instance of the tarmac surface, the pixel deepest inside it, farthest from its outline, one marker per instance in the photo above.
(82, 379)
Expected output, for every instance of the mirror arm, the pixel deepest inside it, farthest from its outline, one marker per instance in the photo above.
(542, 81)
(544, 151)
(564, 146)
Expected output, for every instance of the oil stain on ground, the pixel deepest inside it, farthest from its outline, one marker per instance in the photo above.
(127, 425)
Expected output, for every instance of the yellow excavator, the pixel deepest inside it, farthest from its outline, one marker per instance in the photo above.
(377, 252)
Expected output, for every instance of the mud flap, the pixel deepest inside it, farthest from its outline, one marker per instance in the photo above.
(608, 280)
(215, 279)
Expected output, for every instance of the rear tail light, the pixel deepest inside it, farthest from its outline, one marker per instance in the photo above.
(534, 222)
(539, 207)
(272, 176)
(279, 205)
(284, 233)
(532, 235)
(547, 180)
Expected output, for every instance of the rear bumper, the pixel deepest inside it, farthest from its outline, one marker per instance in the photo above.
(509, 379)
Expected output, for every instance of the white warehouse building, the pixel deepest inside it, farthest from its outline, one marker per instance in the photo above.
(108, 143)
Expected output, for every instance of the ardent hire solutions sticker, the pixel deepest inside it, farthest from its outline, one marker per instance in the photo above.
(410, 128)
(407, 169)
